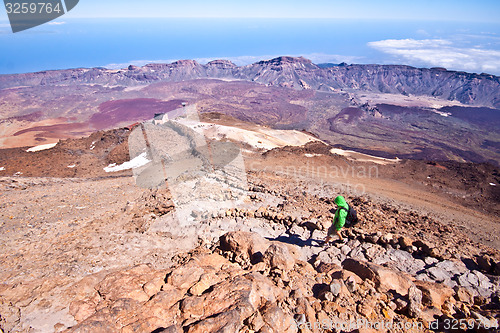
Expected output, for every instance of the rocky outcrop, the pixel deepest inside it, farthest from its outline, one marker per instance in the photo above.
(230, 289)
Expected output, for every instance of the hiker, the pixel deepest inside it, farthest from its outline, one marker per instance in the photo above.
(339, 219)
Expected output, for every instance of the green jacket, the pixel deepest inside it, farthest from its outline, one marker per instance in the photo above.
(340, 214)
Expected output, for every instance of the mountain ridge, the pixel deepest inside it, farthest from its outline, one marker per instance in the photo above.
(298, 73)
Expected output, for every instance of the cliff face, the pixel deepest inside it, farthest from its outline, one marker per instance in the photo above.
(298, 73)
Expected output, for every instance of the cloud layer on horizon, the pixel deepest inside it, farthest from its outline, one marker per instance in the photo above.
(440, 53)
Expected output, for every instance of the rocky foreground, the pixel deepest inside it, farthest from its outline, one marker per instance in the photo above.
(250, 284)
(258, 268)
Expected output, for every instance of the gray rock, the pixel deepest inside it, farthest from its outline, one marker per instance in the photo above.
(318, 234)
(454, 267)
(401, 261)
(468, 280)
(424, 277)
(485, 322)
(438, 274)
(484, 282)
(357, 253)
(328, 258)
(414, 302)
(335, 288)
(374, 251)
(301, 232)
(430, 261)
(328, 296)
(345, 249)
(353, 243)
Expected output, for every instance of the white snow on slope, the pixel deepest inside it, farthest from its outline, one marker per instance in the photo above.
(41, 147)
(132, 164)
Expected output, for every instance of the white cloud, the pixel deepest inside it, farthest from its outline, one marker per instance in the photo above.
(316, 58)
(440, 53)
(56, 23)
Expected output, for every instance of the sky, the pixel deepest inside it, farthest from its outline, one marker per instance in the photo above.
(459, 35)
(459, 10)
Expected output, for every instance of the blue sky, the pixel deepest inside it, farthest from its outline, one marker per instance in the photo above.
(455, 34)
(459, 10)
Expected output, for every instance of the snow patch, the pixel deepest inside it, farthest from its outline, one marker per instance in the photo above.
(92, 146)
(363, 157)
(2, 169)
(493, 184)
(136, 162)
(41, 147)
(71, 166)
(259, 137)
(441, 113)
(312, 155)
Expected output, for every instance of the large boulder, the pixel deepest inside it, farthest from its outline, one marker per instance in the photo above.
(248, 244)
(228, 304)
(384, 279)
(434, 294)
(278, 256)
(206, 294)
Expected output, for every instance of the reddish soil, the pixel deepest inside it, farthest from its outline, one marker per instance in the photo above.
(55, 131)
(130, 110)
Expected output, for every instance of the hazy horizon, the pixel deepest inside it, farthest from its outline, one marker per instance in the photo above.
(458, 35)
(115, 43)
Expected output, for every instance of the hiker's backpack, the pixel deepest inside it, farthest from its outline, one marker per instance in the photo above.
(352, 216)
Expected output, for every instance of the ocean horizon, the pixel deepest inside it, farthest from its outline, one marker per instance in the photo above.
(119, 42)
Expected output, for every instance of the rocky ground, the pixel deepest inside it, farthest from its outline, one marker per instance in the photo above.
(101, 255)
(88, 251)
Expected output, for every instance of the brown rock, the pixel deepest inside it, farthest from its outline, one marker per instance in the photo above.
(384, 279)
(186, 276)
(276, 320)
(206, 281)
(366, 308)
(144, 325)
(82, 309)
(154, 286)
(246, 243)
(93, 327)
(405, 242)
(170, 329)
(255, 321)
(126, 284)
(228, 304)
(496, 269)
(278, 256)
(164, 304)
(485, 263)
(434, 294)
(327, 267)
(463, 295)
(304, 307)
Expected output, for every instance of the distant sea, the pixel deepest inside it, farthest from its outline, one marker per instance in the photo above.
(115, 43)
